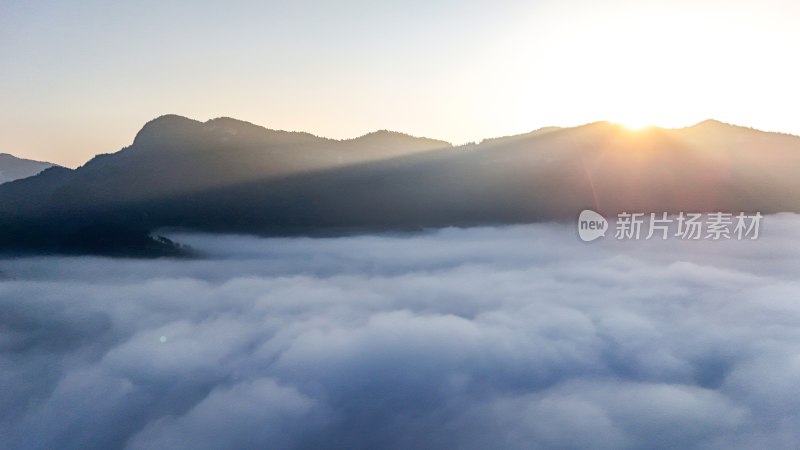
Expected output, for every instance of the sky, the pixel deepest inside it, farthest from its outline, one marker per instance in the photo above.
(80, 78)
(511, 337)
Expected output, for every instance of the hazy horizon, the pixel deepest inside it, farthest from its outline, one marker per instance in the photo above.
(85, 76)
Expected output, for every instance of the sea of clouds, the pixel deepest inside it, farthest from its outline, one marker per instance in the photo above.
(514, 337)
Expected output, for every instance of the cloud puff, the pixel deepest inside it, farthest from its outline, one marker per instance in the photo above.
(513, 337)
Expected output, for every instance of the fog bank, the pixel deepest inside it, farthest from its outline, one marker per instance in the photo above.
(512, 337)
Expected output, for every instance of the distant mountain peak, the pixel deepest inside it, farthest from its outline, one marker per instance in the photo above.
(383, 136)
(14, 168)
(711, 123)
(166, 126)
(233, 127)
(231, 123)
(228, 120)
(9, 156)
(387, 133)
(723, 126)
(169, 120)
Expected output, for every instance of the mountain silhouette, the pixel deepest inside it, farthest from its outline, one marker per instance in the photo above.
(13, 168)
(226, 175)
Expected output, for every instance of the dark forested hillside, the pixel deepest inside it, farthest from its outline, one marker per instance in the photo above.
(230, 176)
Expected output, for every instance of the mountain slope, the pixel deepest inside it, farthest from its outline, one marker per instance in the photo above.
(13, 168)
(231, 176)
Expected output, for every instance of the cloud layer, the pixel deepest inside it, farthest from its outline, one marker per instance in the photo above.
(514, 337)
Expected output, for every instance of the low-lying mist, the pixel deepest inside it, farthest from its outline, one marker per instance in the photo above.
(512, 337)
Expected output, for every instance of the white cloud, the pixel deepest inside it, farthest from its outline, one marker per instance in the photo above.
(513, 337)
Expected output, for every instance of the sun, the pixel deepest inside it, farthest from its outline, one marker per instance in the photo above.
(634, 117)
(634, 124)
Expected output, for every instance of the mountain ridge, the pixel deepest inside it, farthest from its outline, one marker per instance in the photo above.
(14, 168)
(225, 175)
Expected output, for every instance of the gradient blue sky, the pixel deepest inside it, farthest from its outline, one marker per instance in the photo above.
(80, 78)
